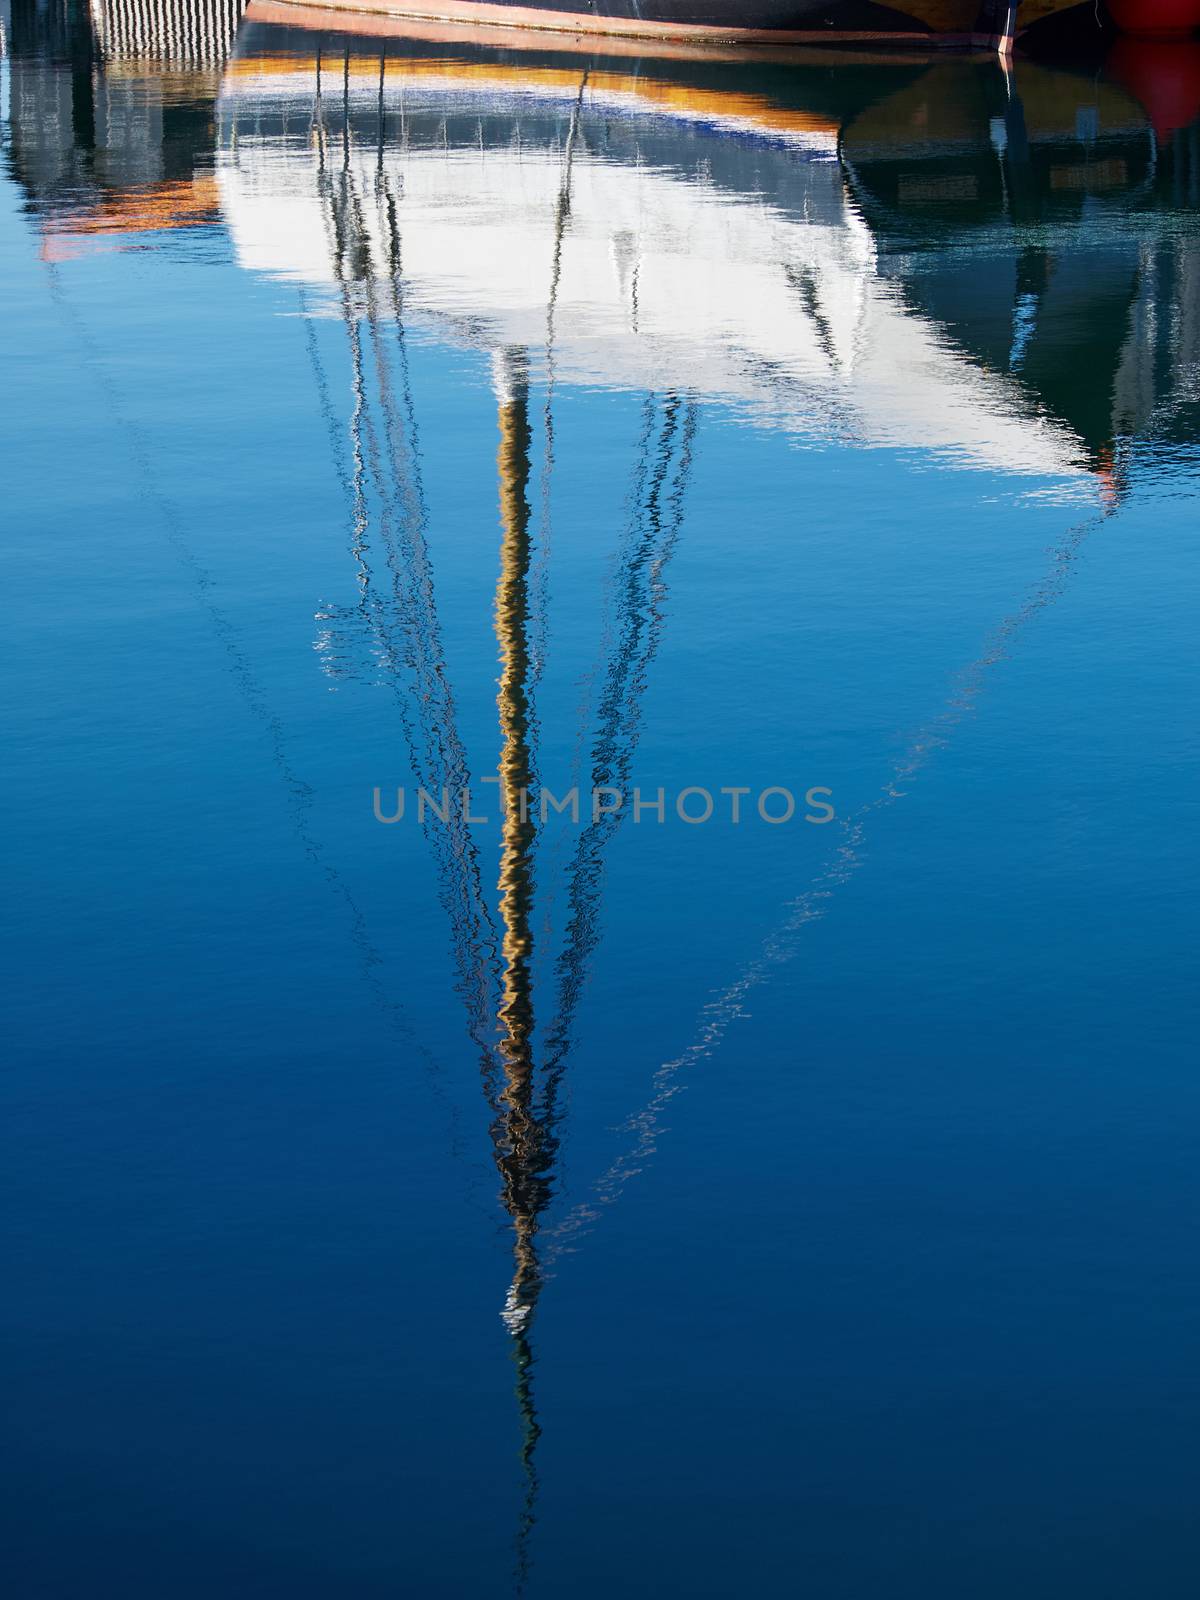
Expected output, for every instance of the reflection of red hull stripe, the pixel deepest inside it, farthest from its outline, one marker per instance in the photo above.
(473, 11)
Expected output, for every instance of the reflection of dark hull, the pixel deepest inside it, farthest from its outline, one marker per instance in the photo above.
(679, 86)
(1053, 194)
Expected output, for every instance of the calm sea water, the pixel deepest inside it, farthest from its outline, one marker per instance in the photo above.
(623, 1205)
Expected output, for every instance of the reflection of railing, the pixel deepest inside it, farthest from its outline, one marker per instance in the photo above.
(191, 32)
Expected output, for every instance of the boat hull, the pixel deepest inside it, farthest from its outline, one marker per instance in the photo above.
(922, 23)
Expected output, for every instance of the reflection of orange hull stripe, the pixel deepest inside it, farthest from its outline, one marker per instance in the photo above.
(475, 75)
(181, 203)
(474, 11)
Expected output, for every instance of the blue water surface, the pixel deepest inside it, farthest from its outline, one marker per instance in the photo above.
(644, 1208)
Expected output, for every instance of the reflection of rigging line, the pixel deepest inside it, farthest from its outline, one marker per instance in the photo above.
(430, 766)
(634, 504)
(454, 840)
(225, 632)
(441, 765)
(396, 292)
(811, 905)
(640, 609)
(380, 116)
(369, 610)
(478, 930)
(531, 1432)
(803, 283)
(562, 212)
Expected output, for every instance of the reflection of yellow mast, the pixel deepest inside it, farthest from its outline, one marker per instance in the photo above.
(524, 1153)
(512, 618)
(519, 1141)
(518, 1133)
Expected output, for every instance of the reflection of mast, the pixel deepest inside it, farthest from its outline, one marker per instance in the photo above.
(523, 1131)
(385, 460)
(562, 212)
(512, 617)
(525, 1149)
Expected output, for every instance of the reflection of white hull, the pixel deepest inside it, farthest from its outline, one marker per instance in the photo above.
(666, 279)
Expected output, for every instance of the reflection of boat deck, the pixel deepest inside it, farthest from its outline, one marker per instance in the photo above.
(786, 233)
(711, 245)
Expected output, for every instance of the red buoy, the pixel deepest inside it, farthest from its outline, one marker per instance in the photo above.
(1163, 76)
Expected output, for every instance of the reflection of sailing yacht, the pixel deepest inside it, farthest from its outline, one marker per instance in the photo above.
(711, 243)
(712, 247)
(720, 196)
(715, 241)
